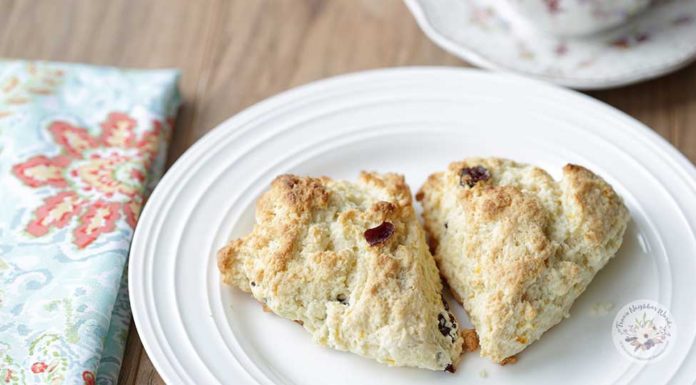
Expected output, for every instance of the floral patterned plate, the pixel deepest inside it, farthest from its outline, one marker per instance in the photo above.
(659, 40)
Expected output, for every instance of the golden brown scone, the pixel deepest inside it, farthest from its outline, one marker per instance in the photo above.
(516, 247)
(375, 293)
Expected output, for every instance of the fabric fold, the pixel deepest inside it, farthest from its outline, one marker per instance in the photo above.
(81, 147)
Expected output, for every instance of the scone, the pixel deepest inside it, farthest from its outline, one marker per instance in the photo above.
(516, 247)
(349, 262)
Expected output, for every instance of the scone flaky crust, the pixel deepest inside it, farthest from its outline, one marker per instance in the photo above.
(518, 248)
(308, 260)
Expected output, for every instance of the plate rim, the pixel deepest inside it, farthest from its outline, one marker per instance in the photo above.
(139, 310)
(470, 55)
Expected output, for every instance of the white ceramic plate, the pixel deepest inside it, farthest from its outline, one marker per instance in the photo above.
(414, 121)
(489, 35)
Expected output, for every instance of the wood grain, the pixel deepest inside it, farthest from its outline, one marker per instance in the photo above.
(235, 53)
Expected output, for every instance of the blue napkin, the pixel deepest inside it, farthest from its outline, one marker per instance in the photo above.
(80, 149)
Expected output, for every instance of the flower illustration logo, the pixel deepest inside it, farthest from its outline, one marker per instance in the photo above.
(97, 179)
(642, 330)
(644, 335)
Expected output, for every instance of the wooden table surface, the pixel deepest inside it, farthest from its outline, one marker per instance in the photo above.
(235, 53)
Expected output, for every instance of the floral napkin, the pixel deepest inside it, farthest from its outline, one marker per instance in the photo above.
(80, 148)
